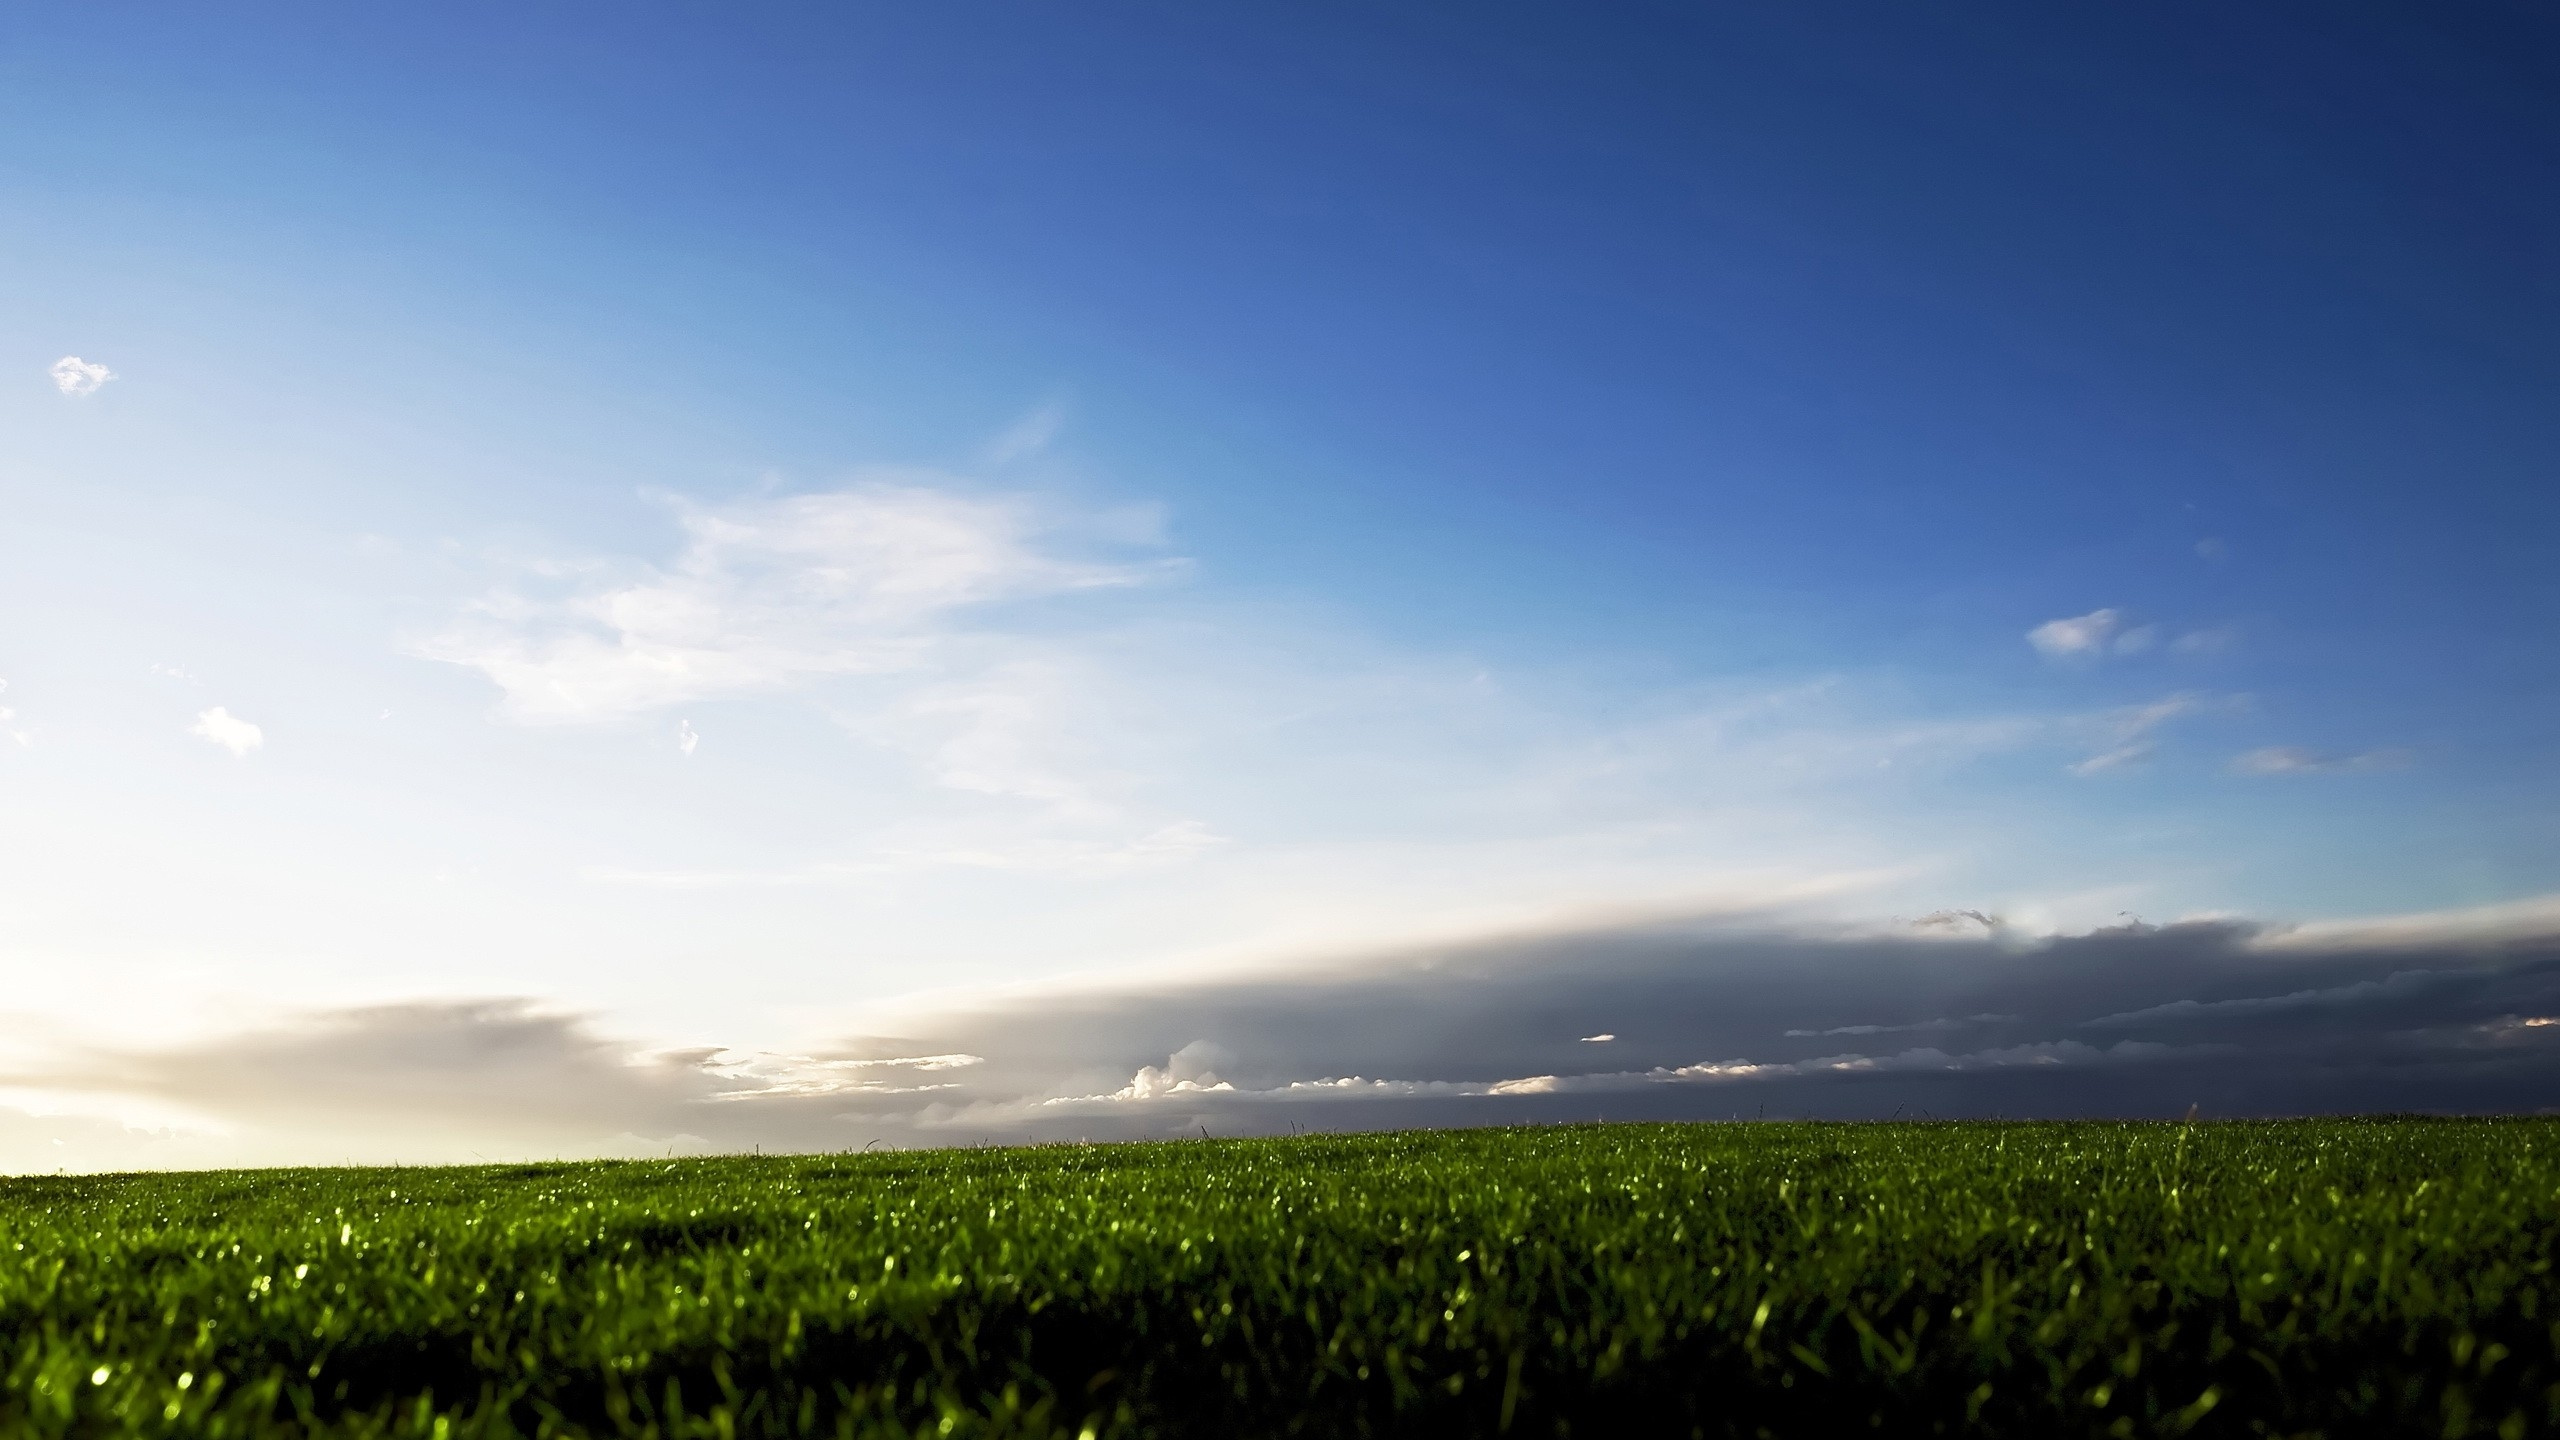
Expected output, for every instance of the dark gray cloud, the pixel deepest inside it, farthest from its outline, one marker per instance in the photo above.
(2130, 1021)
(1704, 1023)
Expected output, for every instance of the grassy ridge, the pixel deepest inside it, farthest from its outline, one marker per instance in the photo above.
(2336, 1278)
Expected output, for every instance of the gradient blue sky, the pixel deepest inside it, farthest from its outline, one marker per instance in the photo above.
(1410, 473)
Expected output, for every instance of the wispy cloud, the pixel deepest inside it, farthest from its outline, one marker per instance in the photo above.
(1014, 725)
(2131, 732)
(763, 1076)
(1034, 432)
(75, 377)
(1013, 851)
(2504, 923)
(2295, 760)
(876, 579)
(227, 730)
(956, 634)
(2132, 753)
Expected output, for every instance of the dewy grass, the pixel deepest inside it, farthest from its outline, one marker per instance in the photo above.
(2339, 1278)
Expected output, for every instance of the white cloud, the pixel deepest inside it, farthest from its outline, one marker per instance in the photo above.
(2086, 637)
(2295, 760)
(1926, 1058)
(1603, 1038)
(1197, 1082)
(686, 739)
(1188, 1072)
(871, 580)
(75, 376)
(228, 731)
(2078, 636)
(2108, 634)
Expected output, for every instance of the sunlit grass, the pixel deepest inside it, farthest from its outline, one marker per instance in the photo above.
(2339, 1278)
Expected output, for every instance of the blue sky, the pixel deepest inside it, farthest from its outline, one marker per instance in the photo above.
(723, 524)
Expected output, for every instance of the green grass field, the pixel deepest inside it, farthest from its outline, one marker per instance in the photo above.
(2355, 1278)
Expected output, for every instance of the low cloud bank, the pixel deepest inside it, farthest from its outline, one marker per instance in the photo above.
(1703, 1023)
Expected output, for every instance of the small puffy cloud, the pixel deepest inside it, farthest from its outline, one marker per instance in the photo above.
(2077, 636)
(1188, 1072)
(228, 731)
(686, 739)
(75, 376)
(1603, 1038)
(2295, 760)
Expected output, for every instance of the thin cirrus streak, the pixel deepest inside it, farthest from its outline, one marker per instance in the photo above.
(2297, 760)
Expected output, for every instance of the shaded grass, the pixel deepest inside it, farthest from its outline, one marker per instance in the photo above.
(2340, 1278)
